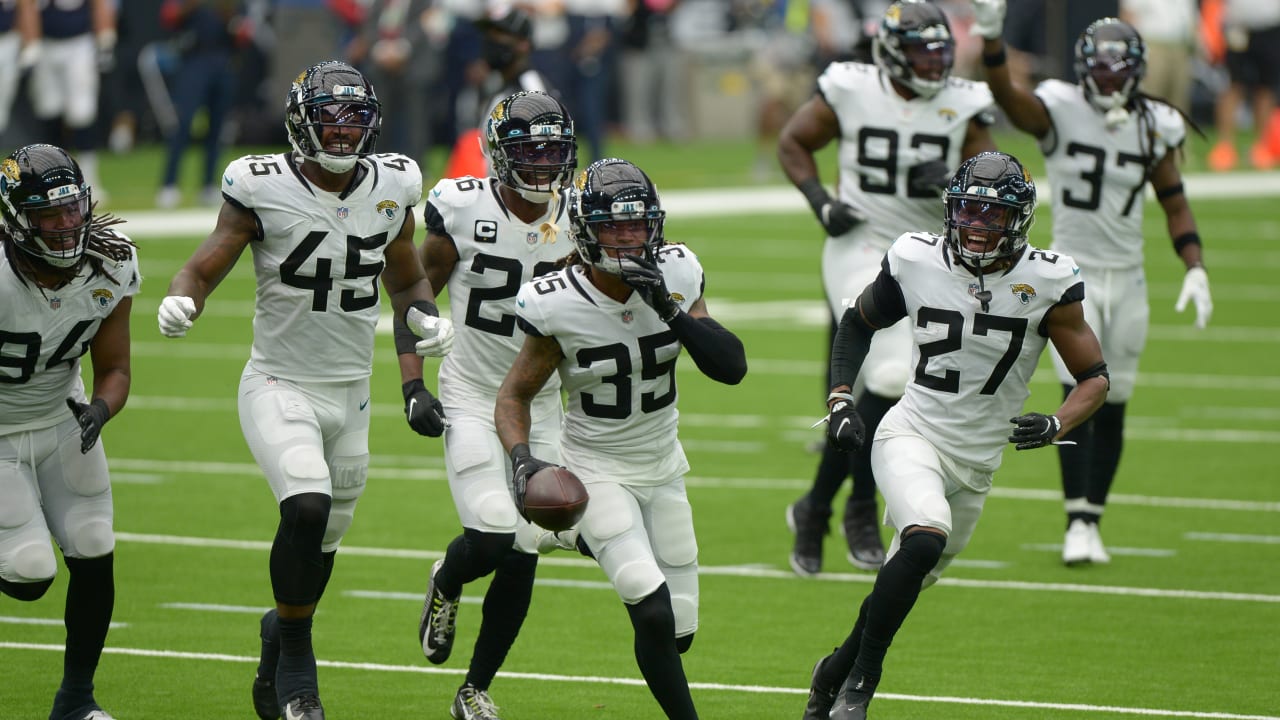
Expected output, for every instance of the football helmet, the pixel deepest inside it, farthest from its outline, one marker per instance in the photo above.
(46, 204)
(991, 196)
(1110, 62)
(914, 46)
(610, 191)
(333, 95)
(531, 145)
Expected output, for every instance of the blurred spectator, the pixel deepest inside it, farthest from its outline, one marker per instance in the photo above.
(592, 63)
(313, 32)
(1168, 27)
(651, 74)
(207, 36)
(78, 44)
(1041, 36)
(782, 69)
(401, 49)
(1251, 31)
(19, 48)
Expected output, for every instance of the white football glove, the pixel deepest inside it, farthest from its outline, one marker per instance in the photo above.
(1195, 287)
(436, 333)
(175, 315)
(988, 19)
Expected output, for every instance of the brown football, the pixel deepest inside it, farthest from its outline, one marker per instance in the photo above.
(555, 498)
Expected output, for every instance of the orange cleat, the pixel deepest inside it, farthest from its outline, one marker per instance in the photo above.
(1261, 156)
(1222, 157)
(1272, 134)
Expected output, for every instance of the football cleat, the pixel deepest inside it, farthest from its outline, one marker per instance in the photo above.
(820, 699)
(853, 700)
(1076, 543)
(1098, 554)
(438, 623)
(809, 525)
(265, 702)
(306, 707)
(472, 703)
(861, 529)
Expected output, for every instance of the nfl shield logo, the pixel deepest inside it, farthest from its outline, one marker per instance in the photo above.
(531, 238)
(55, 302)
(627, 316)
(343, 213)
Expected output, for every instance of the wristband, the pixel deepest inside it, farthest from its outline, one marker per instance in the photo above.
(1185, 239)
(996, 59)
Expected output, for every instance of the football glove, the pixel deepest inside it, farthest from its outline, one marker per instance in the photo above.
(642, 274)
(175, 315)
(929, 178)
(837, 217)
(91, 416)
(1034, 430)
(436, 333)
(845, 429)
(988, 19)
(29, 55)
(423, 411)
(1195, 287)
(106, 51)
(523, 466)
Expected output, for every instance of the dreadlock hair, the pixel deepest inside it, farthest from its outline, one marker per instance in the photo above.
(1141, 102)
(104, 246)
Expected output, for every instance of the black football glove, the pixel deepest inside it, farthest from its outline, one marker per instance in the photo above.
(929, 178)
(423, 411)
(837, 217)
(91, 416)
(523, 466)
(642, 274)
(844, 427)
(1034, 430)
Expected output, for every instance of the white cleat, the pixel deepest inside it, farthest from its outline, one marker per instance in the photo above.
(1097, 551)
(1077, 545)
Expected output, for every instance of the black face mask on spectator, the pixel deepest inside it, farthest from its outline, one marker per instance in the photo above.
(498, 55)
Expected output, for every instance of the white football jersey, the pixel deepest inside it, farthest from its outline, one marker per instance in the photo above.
(497, 253)
(971, 368)
(1097, 174)
(882, 136)
(619, 370)
(318, 261)
(43, 334)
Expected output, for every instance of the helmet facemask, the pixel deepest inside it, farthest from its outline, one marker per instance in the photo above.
(531, 145)
(973, 217)
(1110, 63)
(47, 205)
(914, 46)
(614, 196)
(612, 257)
(334, 126)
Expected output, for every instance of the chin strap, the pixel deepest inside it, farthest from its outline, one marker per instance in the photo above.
(983, 294)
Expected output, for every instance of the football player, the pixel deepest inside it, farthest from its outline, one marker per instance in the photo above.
(1103, 143)
(486, 237)
(611, 323)
(903, 125)
(78, 45)
(995, 302)
(66, 288)
(324, 222)
(19, 50)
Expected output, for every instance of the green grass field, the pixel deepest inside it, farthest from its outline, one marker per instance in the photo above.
(1182, 623)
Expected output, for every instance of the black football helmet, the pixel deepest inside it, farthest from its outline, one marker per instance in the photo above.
(990, 193)
(1110, 62)
(332, 94)
(46, 204)
(914, 46)
(531, 145)
(608, 191)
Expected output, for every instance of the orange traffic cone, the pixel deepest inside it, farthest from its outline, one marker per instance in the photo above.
(466, 158)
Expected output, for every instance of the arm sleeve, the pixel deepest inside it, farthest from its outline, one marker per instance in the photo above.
(716, 351)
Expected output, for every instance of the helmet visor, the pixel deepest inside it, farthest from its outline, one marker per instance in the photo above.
(540, 162)
(58, 224)
(343, 127)
(930, 60)
(982, 225)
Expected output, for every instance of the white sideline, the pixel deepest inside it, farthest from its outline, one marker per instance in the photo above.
(635, 682)
(766, 200)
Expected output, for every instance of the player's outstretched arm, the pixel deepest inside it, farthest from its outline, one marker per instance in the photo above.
(716, 351)
(205, 269)
(1024, 109)
(1166, 180)
(535, 362)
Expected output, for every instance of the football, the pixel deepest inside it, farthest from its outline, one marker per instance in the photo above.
(554, 498)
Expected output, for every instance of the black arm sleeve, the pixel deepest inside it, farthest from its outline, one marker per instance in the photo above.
(716, 351)
(880, 305)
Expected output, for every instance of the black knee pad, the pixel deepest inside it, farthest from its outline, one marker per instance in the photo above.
(684, 643)
(921, 549)
(654, 614)
(297, 565)
(25, 592)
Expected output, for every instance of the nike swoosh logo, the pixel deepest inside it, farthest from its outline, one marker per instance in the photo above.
(840, 428)
(288, 714)
(364, 404)
(435, 193)
(412, 403)
(227, 179)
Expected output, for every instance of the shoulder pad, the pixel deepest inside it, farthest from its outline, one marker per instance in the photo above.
(1171, 129)
(245, 175)
(1051, 265)
(458, 192)
(405, 171)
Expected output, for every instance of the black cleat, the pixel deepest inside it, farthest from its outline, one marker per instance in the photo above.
(861, 528)
(265, 702)
(820, 699)
(306, 707)
(854, 699)
(809, 525)
(439, 621)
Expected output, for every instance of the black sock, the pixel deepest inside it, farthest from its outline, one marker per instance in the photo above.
(91, 597)
(833, 468)
(506, 604)
(896, 589)
(656, 654)
(871, 408)
(843, 657)
(269, 655)
(1108, 443)
(296, 673)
